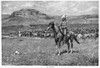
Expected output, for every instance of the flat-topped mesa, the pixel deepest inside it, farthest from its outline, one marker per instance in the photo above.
(28, 13)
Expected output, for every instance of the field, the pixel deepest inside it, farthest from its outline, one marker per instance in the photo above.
(41, 51)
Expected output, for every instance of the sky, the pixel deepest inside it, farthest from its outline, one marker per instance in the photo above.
(53, 7)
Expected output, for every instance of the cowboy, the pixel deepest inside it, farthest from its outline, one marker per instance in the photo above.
(64, 24)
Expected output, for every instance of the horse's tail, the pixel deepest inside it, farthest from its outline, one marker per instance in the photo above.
(75, 38)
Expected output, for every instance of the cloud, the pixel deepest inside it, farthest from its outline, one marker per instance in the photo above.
(53, 7)
(27, 5)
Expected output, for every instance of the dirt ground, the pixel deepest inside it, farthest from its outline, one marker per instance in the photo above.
(41, 51)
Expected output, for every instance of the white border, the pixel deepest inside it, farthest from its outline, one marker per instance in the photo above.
(49, 0)
(43, 66)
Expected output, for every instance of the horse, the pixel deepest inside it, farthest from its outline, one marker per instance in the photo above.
(56, 34)
(60, 37)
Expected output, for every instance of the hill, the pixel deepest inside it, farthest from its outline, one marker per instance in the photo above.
(5, 16)
(31, 16)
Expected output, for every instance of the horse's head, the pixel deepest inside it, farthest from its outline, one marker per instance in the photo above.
(51, 25)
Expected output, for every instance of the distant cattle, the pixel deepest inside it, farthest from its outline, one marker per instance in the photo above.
(79, 35)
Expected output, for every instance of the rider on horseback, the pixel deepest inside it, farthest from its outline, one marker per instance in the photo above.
(64, 24)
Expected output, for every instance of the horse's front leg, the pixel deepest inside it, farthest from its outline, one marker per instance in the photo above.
(68, 44)
(56, 41)
(59, 43)
(62, 40)
(71, 41)
(58, 48)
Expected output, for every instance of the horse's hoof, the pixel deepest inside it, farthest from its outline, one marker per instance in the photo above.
(57, 53)
(60, 53)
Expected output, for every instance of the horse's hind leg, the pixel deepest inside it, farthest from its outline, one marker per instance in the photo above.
(69, 50)
(68, 44)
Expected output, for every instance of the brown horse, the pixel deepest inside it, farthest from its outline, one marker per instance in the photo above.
(61, 38)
